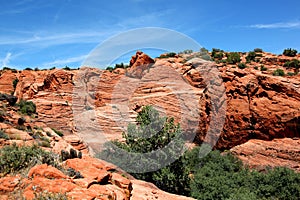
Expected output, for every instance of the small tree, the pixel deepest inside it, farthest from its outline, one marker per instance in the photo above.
(27, 107)
(258, 50)
(278, 72)
(290, 52)
(251, 56)
(233, 58)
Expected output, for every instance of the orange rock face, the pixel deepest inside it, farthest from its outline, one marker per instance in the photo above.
(260, 154)
(96, 183)
(252, 104)
(138, 64)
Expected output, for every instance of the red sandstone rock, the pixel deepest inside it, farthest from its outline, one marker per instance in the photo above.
(46, 171)
(279, 152)
(138, 64)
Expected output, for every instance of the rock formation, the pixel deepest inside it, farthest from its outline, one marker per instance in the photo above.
(201, 95)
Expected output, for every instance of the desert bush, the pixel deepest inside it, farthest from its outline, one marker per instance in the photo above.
(14, 158)
(292, 64)
(291, 74)
(278, 72)
(168, 55)
(255, 67)
(290, 52)
(217, 53)
(66, 68)
(15, 82)
(224, 177)
(242, 65)
(27, 107)
(3, 135)
(263, 68)
(233, 58)
(251, 56)
(10, 69)
(109, 68)
(59, 133)
(73, 173)
(121, 65)
(258, 50)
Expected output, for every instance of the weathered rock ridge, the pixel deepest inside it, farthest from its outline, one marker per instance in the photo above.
(257, 104)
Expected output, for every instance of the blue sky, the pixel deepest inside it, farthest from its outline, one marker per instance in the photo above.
(39, 33)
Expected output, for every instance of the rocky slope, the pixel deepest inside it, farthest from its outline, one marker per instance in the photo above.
(79, 178)
(201, 95)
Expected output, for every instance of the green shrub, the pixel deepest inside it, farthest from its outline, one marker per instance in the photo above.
(10, 69)
(233, 58)
(3, 135)
(224, 177)
(67, 68)
(251, 56)
(121, 65)
(242, 65)
(52, 68)
(278, 72)
(27, 107)
(255, 67)
(258, 50)
(15, 82)
(291, 74)
(263, 68)
(292, 64)
(151, 133)
(59, 133)
(110, 68)
(217, 53)
(168, 55)
(14, 158)
(290, 52)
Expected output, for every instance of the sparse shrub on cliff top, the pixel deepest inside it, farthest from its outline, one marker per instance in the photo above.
(168, 55)
(11, 69)
(251, 56)
(290, 52)
(217, 53)
(233, 58)
(258, 50)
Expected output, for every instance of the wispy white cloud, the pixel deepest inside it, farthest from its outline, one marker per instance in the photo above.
(281, 25)
(6, 60)
(54, 39)
(64, 62)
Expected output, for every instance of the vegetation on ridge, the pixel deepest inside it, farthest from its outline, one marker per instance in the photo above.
(215, 176)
